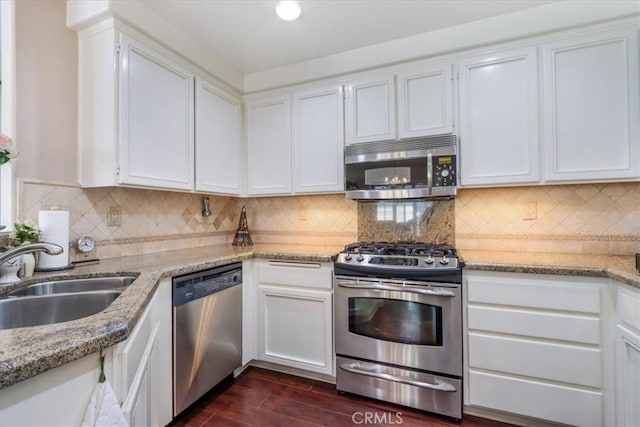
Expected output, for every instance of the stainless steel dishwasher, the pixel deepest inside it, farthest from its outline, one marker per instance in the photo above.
(207, 331)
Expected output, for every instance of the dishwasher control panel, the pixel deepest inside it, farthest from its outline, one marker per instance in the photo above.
(206, 282)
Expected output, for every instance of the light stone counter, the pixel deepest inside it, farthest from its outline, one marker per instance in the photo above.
(26, 352)
(620, 268)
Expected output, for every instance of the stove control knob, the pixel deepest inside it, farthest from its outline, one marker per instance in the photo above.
(360, 258)
(429, 260)
(444, 260)
(348, 257)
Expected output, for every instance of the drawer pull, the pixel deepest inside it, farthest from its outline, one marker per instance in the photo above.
(295, 264)
(357, 368)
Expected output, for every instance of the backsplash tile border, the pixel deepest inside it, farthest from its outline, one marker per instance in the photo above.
(129, 240)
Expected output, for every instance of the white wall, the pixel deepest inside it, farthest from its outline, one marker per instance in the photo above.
(47, 80)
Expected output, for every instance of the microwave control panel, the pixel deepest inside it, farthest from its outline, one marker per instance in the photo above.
(444, 171)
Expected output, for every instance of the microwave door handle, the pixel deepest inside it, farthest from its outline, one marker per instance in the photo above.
(381, 287)
(439, 385)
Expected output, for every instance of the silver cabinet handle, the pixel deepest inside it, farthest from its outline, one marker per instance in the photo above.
(300, 264)
(381, 287)
(439, 385)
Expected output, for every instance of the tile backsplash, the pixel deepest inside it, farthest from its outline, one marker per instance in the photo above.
(584, 218)
(581, 218)
(153, 221)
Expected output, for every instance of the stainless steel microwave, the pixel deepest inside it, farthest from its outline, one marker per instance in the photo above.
(406, 169)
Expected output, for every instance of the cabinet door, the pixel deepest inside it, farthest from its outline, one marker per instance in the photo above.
(628, 378)
(499, 119)
(370, 110)
(296, 328)
(592, 117)
(628, 356)
(269, 146)
(425, 101)
(156, 119)
(137, 405)
(217, 139)
(318, 142)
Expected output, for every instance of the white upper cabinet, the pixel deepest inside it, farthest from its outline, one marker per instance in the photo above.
(269, 145)
(591, 106)
(218, 154)
(424, 108)
(499, 118)
(370, 109)
(425, 101)
(156, 119)
(136, 117)
(318, 140)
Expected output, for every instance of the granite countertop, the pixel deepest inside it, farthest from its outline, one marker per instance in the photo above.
(620, 268)
(26, 352)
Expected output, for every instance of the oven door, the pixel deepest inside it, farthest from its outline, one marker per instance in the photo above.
(411, 324)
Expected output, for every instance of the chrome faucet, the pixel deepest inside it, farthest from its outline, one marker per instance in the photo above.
(49, 248)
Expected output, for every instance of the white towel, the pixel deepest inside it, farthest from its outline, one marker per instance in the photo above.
(103, 409)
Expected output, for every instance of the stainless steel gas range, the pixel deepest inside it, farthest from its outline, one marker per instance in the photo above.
(398, 324)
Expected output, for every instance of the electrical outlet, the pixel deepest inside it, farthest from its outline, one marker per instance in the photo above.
(114, 217)
(530, 210)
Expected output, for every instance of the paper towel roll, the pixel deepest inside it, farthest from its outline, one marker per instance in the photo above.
(54, 228)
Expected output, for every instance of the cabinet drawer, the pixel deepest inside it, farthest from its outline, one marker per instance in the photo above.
(299, 274)
(536, 324)
(549, 361)
(534, 399)
(550, 293)
(629, 308)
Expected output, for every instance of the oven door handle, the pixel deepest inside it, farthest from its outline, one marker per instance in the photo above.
(381, 287)
(439, 384)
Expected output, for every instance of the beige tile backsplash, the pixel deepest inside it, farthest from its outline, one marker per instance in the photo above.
(153, 221)
(588, 218)
(582, 218)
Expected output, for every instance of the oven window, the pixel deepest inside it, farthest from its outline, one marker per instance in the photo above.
(406, 322)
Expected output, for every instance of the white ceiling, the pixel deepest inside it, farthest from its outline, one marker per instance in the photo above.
(250, 37)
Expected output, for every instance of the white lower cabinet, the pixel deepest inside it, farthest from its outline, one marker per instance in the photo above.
(58, 397)
(139, 370)
(628, 357)
(295, 326)
(142, 364)
(537, 346)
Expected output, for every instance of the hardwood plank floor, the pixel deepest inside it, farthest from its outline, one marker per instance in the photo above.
(259, 397)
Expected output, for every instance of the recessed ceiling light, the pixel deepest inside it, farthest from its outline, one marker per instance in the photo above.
(288, 10)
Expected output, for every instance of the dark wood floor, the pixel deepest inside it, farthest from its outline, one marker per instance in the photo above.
(260, 397)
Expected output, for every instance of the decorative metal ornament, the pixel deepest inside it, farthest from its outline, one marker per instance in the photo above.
(242, 237)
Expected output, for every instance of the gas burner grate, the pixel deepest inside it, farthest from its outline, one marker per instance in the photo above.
(401, 248)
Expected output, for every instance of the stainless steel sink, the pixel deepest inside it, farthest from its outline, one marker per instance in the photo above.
(74, 285)
(53, 308)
